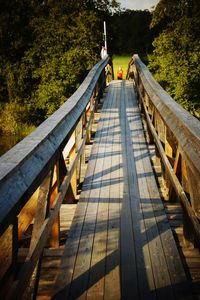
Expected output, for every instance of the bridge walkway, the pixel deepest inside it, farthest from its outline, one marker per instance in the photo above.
(120, 245)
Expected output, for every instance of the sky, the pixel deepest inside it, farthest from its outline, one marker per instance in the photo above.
(138, 4)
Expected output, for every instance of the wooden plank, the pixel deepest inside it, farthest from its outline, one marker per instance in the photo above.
(119, 179)
(41, 209)
(6, 250)
(162, 283)
(184, 126)
(129, 278)
(52, 257)
(62, 286)
(32, 258)
(174, 264)
(78, 139)
(55, 231)
(27, 214)
(143, 260)
(82, 267)
(72, 191)
(97, 267)
(25, 166)
(64, 279)
(112, 276)
(176, 184)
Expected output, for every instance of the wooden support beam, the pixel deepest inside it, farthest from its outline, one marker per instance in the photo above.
(177, 164)
(83, 132)
(55, 231)
(193, 190)
(27, 214)
(8, 258)
(169, 153)
(72, 191)
(78, 139)
(177, 172)
(33, 256)
(23, 170)
(43, 205)
(176, 184)
(87, 114)
(6, 250)
(173, 128)
(41, 208)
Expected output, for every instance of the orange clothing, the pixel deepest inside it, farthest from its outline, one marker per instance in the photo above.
(119, 74)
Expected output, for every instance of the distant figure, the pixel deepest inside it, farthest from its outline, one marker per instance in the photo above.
(120, 73)
(103, 52)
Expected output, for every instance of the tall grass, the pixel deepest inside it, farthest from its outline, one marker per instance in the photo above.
(121, 61)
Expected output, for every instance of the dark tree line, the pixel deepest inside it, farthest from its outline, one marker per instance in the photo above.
(47, 48)
(130, 32)
(176, 58)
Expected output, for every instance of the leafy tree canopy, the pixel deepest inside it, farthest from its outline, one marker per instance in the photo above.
(130, 33)
(176, 57)
(47, 48)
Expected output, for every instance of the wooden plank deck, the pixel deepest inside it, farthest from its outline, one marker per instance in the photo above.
(120, 245)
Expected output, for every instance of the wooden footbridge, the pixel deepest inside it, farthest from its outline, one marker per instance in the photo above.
(121, 243)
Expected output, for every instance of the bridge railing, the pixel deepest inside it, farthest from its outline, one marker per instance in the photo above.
(176, 134)
(38, 175)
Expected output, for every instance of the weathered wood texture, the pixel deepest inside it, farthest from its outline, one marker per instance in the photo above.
(176, 134)
(51, 258)
(120, 245)
(35, 176)
(190, 256)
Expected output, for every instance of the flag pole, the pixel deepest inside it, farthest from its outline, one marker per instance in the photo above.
(105, 36)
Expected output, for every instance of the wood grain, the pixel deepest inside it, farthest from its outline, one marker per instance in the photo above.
(121, 245)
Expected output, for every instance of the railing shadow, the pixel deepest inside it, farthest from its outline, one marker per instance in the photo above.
(100, 271)
(138, 227)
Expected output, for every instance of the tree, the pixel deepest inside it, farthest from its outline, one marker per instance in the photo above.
(65, 48)
(130, 32)
(175, 61)
(47, 49)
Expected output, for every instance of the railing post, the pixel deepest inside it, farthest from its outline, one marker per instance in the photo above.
(101, 84)
(41, 209)
(188, 234)
(87, 116)
(193, 189)
(176, 134)
(41, 212)
(83, 130)
(146, 102)
(55, 232)
(109, 73)
(8, 257)
(78, 139)
(27, 193)
(191, 186)
(169, 146)
(72, 190)
(177, 172)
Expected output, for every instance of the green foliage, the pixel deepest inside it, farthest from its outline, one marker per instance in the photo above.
(71, 46)
(47, 49)
(172, 10)
(175, 61)
(104, 5)
(121, 61)
(10, 120)
(130, 32)
(14, 31)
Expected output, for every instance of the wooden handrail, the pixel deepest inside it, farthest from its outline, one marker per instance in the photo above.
(176, 134)
(35, 171)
